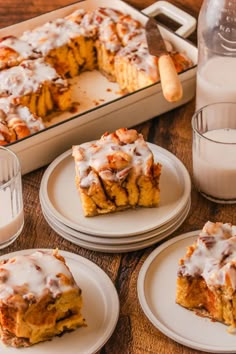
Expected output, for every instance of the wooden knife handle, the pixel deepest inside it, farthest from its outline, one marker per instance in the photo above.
(170, 82)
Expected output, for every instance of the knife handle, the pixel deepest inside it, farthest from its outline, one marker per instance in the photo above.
(170, 82)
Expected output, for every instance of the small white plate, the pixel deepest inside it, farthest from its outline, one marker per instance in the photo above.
(59, 193)
(100, 309)
(114, 240)
(156, 292)
(116, 248)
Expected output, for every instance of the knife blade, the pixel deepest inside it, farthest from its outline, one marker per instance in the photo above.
(170, 82)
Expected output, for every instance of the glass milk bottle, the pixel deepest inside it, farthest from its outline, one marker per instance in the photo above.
(216, 73)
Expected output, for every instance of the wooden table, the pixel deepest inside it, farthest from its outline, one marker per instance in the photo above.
(134, 333)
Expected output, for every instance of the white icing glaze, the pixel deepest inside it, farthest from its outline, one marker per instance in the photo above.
(76, 16)
(110, 26)
(102, 13)
(14, 111)
(112, 158)
(5, 103)
(100, 23)
(88, 28)
(105, 19)
(27, 77)
(215, 255)
(52, 35)
(129, 30)
(20, 46)
(35, 274)
(34, 124)
(142, 60)
(14, 122)
(108, 36)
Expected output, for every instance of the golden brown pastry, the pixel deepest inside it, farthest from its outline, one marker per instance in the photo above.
(39, 299)
(16, 121)
(121, 48)
(5, 134)
(116, 172)
(18, 126)
(206, 281)
(34, 67)
(63, 45)
(35, 84)
(13, 51)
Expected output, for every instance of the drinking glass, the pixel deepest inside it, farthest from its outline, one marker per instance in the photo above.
(214, 151)
(11, 201)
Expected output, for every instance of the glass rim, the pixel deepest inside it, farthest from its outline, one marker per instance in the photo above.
(202, 135)
(18, 170)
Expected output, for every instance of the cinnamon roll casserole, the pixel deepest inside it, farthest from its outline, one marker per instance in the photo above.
(36, 66)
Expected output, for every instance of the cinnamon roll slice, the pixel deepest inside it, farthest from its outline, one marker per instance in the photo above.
(39, 299)
(116, 172)
(206, 278)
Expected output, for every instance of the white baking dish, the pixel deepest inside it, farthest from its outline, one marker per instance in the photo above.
(102, 107)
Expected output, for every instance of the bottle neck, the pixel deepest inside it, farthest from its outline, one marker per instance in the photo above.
(217, 27)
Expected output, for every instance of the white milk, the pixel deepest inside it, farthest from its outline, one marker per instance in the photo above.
(214, 164)
(216, 81)
(11, 215)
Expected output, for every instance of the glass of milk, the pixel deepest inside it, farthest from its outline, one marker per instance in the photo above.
(214, 151)
(11, 201)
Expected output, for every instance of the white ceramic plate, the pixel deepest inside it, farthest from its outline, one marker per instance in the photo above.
(101, 310)
(156, 292)
(114, 240)
(116, 248)
(60, 195)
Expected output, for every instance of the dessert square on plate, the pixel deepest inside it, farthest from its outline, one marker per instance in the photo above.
(39, 298)
(116, 172)
(207, 273)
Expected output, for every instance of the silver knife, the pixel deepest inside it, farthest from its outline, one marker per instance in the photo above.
(170, 82)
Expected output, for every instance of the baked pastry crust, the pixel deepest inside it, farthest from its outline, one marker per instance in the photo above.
(206, 281)
(39, 299)
(121, 48)
(35, 84)
(13, 51)
(116, 172)
(16, 121)
(62, 44)
(35, 66)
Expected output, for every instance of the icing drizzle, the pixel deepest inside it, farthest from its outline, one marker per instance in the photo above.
(26, 78)
(32, 275)
(214, 257)
(112, 157)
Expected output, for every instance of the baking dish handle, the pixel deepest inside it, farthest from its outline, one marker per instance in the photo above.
(188, 23)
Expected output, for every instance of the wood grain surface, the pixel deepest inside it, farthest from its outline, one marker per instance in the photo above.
(134, 333)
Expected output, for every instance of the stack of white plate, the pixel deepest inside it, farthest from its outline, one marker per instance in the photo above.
(124, 231)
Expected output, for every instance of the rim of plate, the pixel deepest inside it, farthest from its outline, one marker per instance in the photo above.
(114, 240)
(181, 203)
(113, 316)
(159, 324)
(119, 248)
